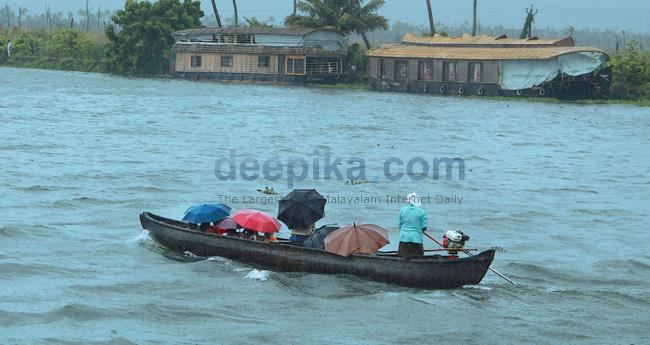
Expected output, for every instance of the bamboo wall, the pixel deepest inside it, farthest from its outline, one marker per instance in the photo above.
(490, 69)
(211, 62)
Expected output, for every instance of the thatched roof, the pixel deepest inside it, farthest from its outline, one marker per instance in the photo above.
(488, 41)
(478, 48)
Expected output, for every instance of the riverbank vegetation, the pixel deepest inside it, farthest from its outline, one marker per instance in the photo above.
(137, 39)
(65, 49)
(631, 68)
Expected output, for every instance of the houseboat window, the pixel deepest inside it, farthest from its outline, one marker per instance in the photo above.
(426, 70)
(264, 61)
(226, 61)
(245, 39)
(296, 65)
(401, 70)
(195, 61)
(475, 70)
(382, 69)
(451, 71)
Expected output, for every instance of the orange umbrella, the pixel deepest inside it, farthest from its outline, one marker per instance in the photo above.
(363, 238)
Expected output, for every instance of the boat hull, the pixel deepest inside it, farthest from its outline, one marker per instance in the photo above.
(429, 273)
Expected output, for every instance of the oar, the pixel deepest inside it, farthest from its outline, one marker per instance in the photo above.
(470, 254)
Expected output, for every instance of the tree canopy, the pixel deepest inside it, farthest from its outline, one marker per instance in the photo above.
(631, 68)
(140, 38)
(344, 16)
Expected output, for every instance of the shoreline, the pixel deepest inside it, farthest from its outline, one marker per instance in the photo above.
(363, 87)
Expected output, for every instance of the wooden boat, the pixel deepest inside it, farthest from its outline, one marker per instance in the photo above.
(429, 272)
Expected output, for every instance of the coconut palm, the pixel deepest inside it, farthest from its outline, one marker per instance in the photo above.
(216, 13)
(474, 22)
(432, 26)
(344, 16)
(234, 6)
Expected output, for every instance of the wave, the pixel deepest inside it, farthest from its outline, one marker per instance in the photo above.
(631, 265)
(548, 276)
(24, 230)
(76, 312)
(112, 341)
(12, 270)
(36, 188)
(261, 275)
(86, 201)
(562, 190)
(146, 189)
(143, 236)
(524, 144)
(12, 231)
(620, 296)
(329, 286)
(530, 214)
(20, 147)
(605, 212)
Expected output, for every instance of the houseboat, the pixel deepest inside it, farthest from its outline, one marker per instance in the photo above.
(259, 54)
(490, 66)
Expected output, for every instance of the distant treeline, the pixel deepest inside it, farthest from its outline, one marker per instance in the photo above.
(86, 19)
(96, 20)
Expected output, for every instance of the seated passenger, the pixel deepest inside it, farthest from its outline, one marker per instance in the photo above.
(298, 235)
(248, 234)
(216, 230)
(269, 237)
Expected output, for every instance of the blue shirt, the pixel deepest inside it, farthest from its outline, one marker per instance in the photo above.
(412, 220)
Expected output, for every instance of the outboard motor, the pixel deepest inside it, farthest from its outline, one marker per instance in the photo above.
(454, 239)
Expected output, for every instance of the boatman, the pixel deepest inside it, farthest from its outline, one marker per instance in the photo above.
(412, 222)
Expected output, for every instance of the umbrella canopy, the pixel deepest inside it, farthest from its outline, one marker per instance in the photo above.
(256, 220)
(301, 208)
(317, 239)
(364, 238)
(206, 213)
(227, 224)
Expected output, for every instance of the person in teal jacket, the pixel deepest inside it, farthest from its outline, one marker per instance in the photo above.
(412, 222)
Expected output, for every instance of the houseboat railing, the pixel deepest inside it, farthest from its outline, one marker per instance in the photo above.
(323, 68)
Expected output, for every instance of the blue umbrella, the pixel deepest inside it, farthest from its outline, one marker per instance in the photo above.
(206, 213)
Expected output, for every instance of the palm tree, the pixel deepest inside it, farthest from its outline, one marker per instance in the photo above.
(474, 25)
(344, 16)
(234, 6)
(216, 13)
(87, 16)
(295, 7)
(432, 26)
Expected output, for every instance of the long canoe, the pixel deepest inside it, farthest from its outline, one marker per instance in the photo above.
(429, 272)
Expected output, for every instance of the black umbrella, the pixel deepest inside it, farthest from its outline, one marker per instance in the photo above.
(317, 239)
(301, 208)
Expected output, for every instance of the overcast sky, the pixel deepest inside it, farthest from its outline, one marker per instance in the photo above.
(630, 15)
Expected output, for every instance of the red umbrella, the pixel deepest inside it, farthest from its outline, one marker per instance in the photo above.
(256, 220)
(363, 238)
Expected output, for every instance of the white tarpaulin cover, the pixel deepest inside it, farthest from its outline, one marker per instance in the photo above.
(524, 74)
(581, 63)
